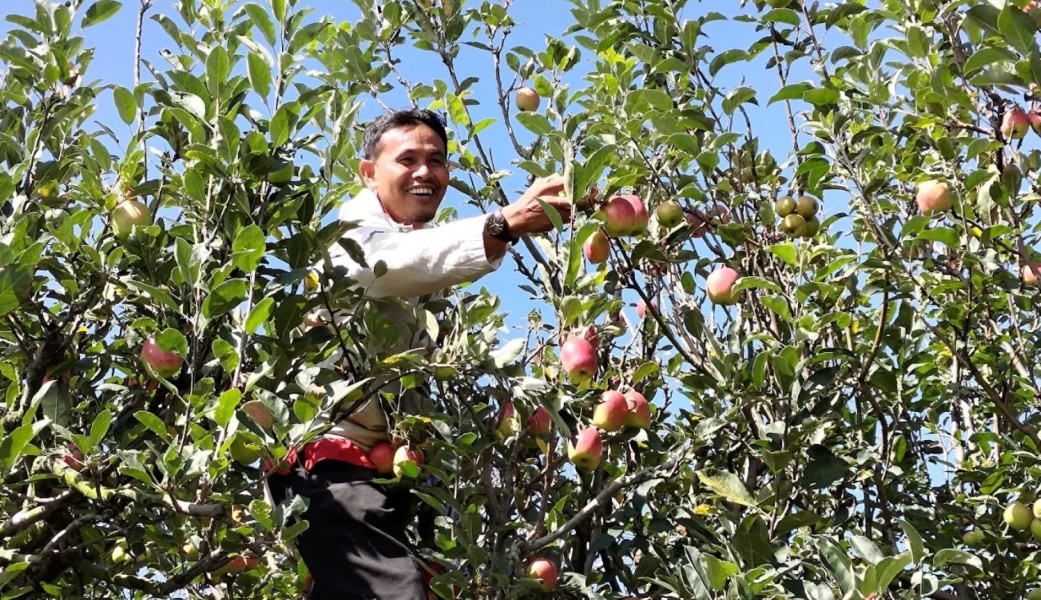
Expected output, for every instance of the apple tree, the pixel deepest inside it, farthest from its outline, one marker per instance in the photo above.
(833, 265)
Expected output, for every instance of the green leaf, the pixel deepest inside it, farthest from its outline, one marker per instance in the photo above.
(100, 426)
(126, 104)
(867, 549)
(1017, 28)
(794, 91)
(889, 567)
(536, 123)
(259, 314)
(152, 422)
(278, 7)
(248, 248)
(986, 56)
(947, 235)
(821, 96)
(839, 564)
(259, 74)
(914, 542)
(226, 405)
(12, 445)
(261, 19)
(100, 11)
(15, 287)
(224, 297)
(949, 555)
(738, 97)
(727, 485)
(218, 68)
(786, 251)
(172, 340)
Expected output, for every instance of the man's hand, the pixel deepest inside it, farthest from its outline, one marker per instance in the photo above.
(525, 216)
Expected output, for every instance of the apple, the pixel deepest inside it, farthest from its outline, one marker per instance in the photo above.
(242, 563)
(712, 216)
(164, 364)
(510, 423)
(259, 413)
(118, 554)
(1029, 274)
(669, 214)
(638, 410)
(813, 227)
(407, 458)
(974, 537)
(784, 206)
(640, 211)
(933, 196)
(641, 308)
(619, 217)
(1037, 509)
(1035, 529)
(590, 336)
(720, 286)
(806, 206)
(1015, 123)
(128, 216)
(1035, 594)
(612, 412)
(794, 225)
(74, 75)
(1018, 516)
(545, 571)
(1034, 116)
(539, 422)
(382, 457)
(578, 358)
(585, 451)
(311, 282)
(190, 550)
(527, 99)
(597, 247)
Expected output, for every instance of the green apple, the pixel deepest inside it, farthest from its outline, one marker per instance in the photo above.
(784, 206)
(1018, 516)
(283, 174)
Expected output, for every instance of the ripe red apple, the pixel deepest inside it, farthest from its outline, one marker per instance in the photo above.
(641, 308)
(405, 458)
(259, 413)
(539, 422)
(933, 196)
(1034, 116)
(527, 99)
(1015, 123)
(612, 412)
(128, 215)
(578, 358)
(641, 217)
(638, 410)
(164, 364)
(720, 285)
(382, 457)
(619, 217)
(242, 563)
(597, 247)
(1030, 273)
(510, 424)
(585, 451)
(544, 570)
(669, 214)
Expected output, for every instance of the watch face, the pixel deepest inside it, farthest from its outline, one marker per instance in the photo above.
(496, 224)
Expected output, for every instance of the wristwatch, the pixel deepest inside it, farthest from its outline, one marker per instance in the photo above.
(498, 228)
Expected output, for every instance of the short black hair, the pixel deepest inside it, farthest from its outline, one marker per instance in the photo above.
(398, 119)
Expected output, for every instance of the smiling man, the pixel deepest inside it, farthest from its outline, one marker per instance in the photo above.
(356, 545)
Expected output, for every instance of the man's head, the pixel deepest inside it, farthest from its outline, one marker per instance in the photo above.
(406, 164)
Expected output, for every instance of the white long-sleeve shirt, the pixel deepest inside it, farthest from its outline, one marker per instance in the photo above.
(419, 262)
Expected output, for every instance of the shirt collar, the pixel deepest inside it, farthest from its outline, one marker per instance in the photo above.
(365, 207)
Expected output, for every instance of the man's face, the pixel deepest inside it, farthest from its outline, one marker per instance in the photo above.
(409, 174)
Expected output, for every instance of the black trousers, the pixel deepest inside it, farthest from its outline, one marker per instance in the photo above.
(355, 545)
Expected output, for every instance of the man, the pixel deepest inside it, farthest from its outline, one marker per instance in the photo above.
(356, 547)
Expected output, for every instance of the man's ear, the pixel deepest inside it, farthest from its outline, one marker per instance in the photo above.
(367, 169)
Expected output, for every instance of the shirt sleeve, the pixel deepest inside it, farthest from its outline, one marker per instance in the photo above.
(419, 262)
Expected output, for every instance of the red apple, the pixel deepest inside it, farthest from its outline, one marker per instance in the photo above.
(597, 247)
(242, 563)
(641, 308)
(259, 413)
(638, 410)
(720, 285)
(578, 358)
(585, 451)
(539, 422)
(933, 196)
(527, 99)
(544, 570)
(612, 412)
(1030, 273)
(1014, 124)
(640, 211)
(405, 457)
(619, 217)
(127, 216)
(381, 455)
(164, 364)
(590, 336)
(510, 424)
(669, 214)
(1035, 116)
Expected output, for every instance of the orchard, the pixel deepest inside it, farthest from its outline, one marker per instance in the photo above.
(825, 214)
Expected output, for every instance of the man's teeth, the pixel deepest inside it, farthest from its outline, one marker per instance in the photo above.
(422, 191)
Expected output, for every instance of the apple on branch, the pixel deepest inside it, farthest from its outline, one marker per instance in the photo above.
(545, 571)
(381, 455)
(129, 216)
(527, 99)
(1015, 123)
(407, 461)
(638, 410)
(539, 422)
(585, 451)
(612, 412)
(578, 358)
(597, 247)
(720, 286)
(933, 196)
(164, 364)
